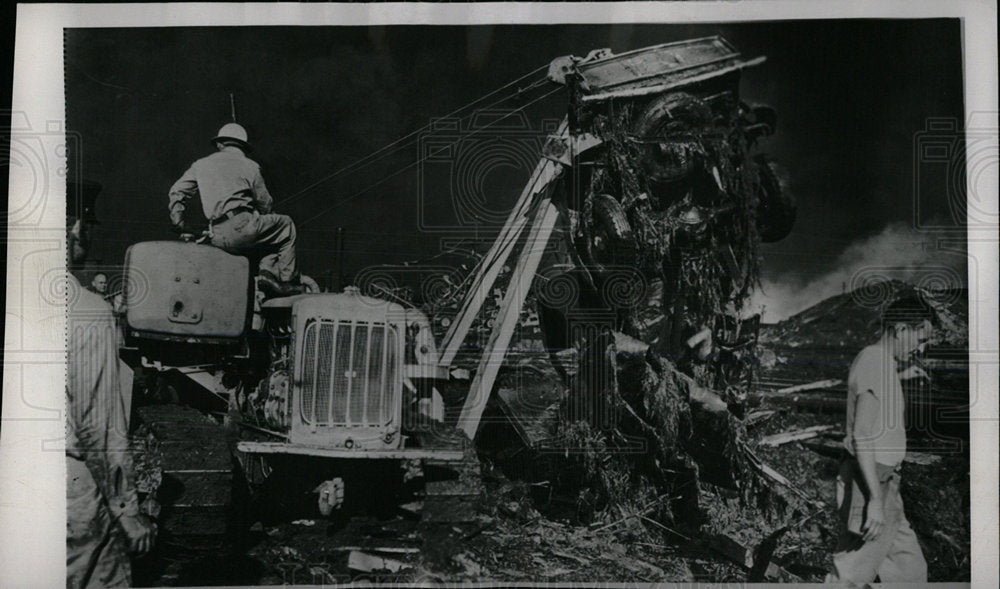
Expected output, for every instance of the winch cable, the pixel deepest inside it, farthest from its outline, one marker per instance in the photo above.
(414, 136)
(448, 146)
(456, 288)
(487, 261)
(407, 167)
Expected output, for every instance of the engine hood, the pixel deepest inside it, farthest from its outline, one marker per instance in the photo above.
(339, 305)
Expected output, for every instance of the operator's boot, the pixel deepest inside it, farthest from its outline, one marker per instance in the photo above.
(273, 288)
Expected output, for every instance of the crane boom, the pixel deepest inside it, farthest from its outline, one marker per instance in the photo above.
(492, 263)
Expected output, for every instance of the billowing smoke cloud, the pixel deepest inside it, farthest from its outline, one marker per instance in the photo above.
(899, 252)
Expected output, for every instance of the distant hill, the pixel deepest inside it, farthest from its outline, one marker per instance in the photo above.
(821, 341)
(852, 319)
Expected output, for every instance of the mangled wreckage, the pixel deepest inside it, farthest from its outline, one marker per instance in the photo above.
(645, 221)
(637, 239)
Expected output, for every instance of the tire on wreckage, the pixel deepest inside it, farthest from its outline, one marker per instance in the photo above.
(667, 129)
(777, 208)
(610, 243)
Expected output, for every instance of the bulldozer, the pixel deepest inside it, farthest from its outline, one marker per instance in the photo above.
(325, 379)
(343, 391)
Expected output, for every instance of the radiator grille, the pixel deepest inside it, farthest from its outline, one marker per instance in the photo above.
(349, 373)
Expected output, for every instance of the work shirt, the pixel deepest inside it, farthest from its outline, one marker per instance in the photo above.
(225, 181)
(98, 396)
(875, 407)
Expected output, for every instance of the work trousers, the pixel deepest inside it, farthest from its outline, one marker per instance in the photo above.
(895, 555)
(96, 550)
(271, 238)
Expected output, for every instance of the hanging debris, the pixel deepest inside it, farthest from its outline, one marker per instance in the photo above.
(665, 218)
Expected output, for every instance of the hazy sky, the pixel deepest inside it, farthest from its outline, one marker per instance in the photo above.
(852, 99)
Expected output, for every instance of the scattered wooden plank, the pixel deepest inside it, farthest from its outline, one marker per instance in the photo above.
(638, 565)
(835, 449)
(779, 478)
(755, 417)
(364, 562)
(921, 458)
(741, 555)
(626, 344)
(830, 448)
(762, 556)
(472, 568)
(531, 409)
(251, 447)
(775, 476)
(568, 556)
(641, 513)
(814, 402)
(794, 435)
(385, 549)
(812, 386)
(663, 527)
(707, 399)
(731, 549)
(413, 507)
(949, 540)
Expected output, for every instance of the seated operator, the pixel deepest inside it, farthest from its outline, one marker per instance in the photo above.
(238, 207)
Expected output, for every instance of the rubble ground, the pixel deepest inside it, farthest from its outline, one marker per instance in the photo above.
(523, 534)
(509, 541)
(935, 497)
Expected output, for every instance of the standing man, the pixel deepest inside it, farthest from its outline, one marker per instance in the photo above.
(102, 514)
(238, 206)
(876, 539)
(99, 284)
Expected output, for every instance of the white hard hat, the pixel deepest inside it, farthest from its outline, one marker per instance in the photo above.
(233, 132)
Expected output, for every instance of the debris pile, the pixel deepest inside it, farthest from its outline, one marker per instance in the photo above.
(685, 178)
(852, 320)
(659, 433)
(680, 193)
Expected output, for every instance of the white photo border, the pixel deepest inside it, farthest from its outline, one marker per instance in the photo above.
(32, 497)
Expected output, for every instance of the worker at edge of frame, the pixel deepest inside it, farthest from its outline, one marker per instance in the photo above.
(876, 539)
(104, 521)
(238, 207)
